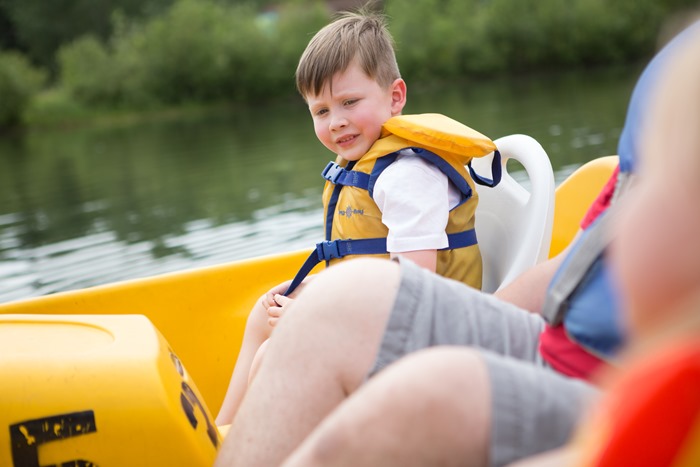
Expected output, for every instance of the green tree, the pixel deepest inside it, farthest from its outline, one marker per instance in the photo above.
(198, 50)
(19, 81)
(41, 26)
(87, 72)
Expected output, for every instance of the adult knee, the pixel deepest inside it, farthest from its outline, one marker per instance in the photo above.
(441, 393)
(443, 381)
(342, 315)
(445, 396)
(448, 390)
(349, 289)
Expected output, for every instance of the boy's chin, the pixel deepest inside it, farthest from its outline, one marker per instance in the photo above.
(354, 155)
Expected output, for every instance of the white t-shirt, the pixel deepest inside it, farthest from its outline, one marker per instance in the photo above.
(415, 199)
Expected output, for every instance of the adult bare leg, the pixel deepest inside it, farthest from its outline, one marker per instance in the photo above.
(320, 353)
(430, 408)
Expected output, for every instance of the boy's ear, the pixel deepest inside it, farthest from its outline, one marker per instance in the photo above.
(398, 96)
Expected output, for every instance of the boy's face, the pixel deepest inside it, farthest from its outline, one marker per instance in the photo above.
(349, 119)
(658, 252)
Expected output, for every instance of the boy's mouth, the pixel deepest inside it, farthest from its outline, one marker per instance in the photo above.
(344, 140)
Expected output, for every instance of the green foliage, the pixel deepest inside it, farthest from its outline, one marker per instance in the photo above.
(43, 26)
(87, 72)
(453, 38)
(8, 36)
(188, 51)
(19, 81)
(198, 50)
(288, 31)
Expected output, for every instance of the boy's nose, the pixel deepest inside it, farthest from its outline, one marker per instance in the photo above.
(338, 123)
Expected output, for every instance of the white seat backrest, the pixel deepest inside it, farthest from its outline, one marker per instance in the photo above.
(514, 225)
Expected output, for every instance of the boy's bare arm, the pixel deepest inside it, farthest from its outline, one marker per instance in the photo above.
(424, 258)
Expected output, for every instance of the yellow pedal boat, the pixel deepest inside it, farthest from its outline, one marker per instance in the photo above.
(132, 373)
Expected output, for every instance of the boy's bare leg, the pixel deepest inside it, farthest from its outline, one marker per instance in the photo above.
(257, 360)
(256, 332)
(320, 353)
(430, 408)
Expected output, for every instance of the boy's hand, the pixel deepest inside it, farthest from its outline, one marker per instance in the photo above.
(275, 312)
(268, 300)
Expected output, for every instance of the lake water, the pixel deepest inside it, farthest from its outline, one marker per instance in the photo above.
(91, 205)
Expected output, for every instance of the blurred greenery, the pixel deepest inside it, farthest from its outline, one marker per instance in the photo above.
(146, 54)
(39, 27)
(19, 81)
(476, 37)
(198, 50)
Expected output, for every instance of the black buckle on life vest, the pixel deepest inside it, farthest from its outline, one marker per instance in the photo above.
(332, 172)
(328, 250)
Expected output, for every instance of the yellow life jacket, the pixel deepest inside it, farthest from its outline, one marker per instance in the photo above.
(353, 221)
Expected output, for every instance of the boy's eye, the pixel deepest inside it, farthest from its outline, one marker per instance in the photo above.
(320, 112)
(350, 101)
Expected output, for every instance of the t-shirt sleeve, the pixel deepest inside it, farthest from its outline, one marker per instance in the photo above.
(413, 196)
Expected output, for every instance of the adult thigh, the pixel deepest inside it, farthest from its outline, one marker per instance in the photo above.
(430, 408)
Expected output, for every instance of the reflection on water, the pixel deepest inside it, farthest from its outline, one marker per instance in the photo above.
(80, 207)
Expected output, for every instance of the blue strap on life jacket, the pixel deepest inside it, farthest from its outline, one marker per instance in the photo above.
(495, 172)
(331, 170)
(333, 249)
(339, 175)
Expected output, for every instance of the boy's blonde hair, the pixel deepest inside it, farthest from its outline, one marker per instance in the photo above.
(353, 36)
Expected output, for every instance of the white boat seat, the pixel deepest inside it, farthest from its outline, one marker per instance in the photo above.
(514, 224)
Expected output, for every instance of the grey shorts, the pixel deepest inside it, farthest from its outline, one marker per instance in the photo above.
(534, 408)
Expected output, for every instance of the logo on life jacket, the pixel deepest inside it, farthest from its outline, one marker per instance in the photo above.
(349, 211)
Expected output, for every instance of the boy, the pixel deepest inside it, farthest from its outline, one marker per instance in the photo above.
(399, 186)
